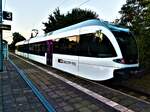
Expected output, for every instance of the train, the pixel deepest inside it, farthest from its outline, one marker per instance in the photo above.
(93, 49)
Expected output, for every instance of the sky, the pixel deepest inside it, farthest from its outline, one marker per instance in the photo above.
(29, 14)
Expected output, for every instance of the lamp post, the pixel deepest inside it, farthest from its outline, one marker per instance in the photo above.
(4, 15)
(1, 43)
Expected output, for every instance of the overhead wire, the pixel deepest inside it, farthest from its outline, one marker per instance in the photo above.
(63, 1)
(83, 3)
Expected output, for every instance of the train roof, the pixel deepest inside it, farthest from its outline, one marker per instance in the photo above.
(74, 29)
(91, 22)
(21, 42)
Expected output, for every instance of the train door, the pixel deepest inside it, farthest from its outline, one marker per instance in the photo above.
(49, 52)
(65, 54)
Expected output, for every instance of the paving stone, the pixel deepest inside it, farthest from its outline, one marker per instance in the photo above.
(1, 107)
(0, 99)
(60, 110)
(13, 92)
(10, 110)
(77, 105)
(21, 99)
(67, 98)
(26, 91)
(86, 103)
(62, 104)
(93, 107)
(40, 110)
(84, 110)
(68, 108)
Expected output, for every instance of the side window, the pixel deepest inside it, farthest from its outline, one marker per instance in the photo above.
(26, 48)
(41, 48)
(38, 48)
(20, 48)
(84, 44)
(63, 45)
(31, 48)
(72, 45)
(67, 45)
(56, 46)
(96, 45)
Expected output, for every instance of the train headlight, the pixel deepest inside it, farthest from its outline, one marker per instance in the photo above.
(122, 61)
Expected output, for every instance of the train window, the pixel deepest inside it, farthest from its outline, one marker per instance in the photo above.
(72, 45)
(26, 48)
(35, 48)
(20, 48)
(66, 45)
(127, 44)
(56, 46)
(38, 48)
(43, 47)
(63, 45)
(31, 48)
(84, 44)
(96, 45)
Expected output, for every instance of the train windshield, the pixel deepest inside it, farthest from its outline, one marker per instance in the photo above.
(127, 44)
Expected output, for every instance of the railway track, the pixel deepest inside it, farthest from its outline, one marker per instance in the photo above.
(125, 88)
(139, 94)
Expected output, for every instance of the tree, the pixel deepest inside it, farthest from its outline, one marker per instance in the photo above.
(16, 38)
(136, 16)
(58, 20)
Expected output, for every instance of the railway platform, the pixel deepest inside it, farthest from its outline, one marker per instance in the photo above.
(15, 94)
(24, 83)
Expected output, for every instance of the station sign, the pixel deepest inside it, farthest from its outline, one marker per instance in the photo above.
(5, 27)
(7, 15)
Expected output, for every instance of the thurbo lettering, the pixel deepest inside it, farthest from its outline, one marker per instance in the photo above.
(66, 62)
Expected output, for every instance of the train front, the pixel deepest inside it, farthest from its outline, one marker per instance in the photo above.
(128, 63)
